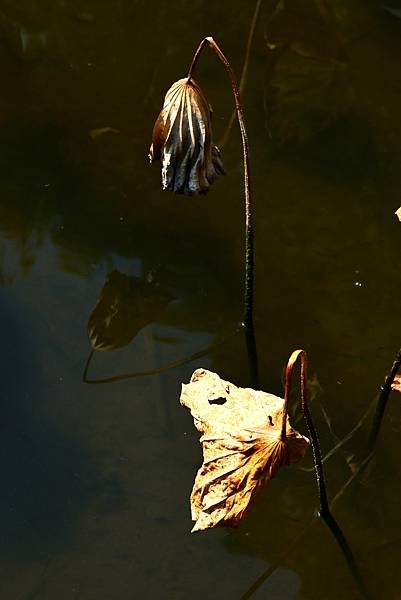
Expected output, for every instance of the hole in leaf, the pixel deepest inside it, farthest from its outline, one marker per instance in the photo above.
(219, 401)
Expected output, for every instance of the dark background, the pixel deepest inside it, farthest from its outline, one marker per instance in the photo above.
(94, 501)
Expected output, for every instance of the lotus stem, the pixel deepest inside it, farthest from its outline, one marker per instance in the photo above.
(324, 510)
(382, 402)
(249, 238)
(317, 456)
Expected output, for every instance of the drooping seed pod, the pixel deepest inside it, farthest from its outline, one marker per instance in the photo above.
(182, 140)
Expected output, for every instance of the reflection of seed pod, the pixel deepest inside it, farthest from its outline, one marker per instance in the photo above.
(182, 140)
(125, 306)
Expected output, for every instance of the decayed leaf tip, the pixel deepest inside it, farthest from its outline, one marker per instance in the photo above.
(242, 446)
(396, 385)
(182, 140)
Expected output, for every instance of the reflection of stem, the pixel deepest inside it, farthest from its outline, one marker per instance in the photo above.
(357, 473)
(256, 585)
(346, 438)
(273, 568)
(324, 510)
(382, 403)
(249, 251)
(244, 70)
(377, 423)
(137, 374)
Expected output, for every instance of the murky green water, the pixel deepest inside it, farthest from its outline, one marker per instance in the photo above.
(96, 477)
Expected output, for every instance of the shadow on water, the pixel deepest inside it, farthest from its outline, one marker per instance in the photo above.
(48, 479)
(48, 194)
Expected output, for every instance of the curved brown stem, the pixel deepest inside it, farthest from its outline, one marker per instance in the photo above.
(195, 57)
(288, 382)
(317, 456)
(249, 241)
(324, 510)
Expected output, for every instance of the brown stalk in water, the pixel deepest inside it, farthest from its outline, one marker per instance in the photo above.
(317, 457)
(382, 402)
(324, 510)
(249, 238)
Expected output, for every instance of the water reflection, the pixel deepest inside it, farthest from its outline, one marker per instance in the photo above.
(26, 43)
(126, 304)
(48, 477)
(308, 87)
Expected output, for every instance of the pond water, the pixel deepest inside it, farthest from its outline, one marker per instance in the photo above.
(97, 470)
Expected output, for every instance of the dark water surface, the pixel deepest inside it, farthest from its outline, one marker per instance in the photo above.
(96, 478)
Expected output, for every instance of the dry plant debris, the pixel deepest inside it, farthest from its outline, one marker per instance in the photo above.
(242, 446)
(396, 385)
(182, 140)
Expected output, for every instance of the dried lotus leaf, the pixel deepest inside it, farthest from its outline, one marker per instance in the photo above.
(182, 140)
(242, 447)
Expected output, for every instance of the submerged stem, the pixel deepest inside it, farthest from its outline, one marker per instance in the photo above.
(249, 241)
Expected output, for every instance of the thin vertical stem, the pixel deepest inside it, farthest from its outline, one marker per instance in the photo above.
(287, 391)
(382, 402)
(317, 456)
(249, 238)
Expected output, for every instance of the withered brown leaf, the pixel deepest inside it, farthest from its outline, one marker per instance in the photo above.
(242, 446)
(182, 140)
